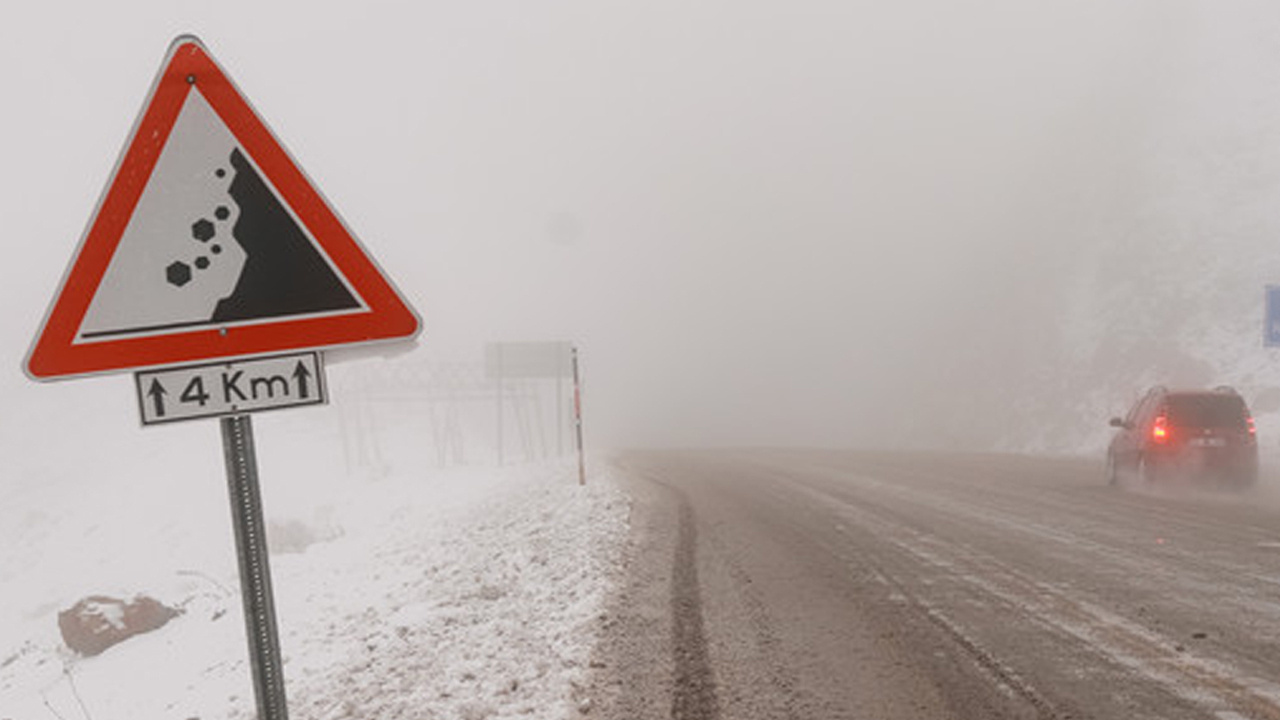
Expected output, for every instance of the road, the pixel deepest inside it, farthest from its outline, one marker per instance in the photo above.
(828, 585)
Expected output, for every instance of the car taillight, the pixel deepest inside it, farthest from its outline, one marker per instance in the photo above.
(1253, 429)
(1160, 429)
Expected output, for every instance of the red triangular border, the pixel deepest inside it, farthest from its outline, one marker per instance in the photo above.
(54, 353)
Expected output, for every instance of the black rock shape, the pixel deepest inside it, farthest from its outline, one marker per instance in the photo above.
(178, 273)
(284, 273)
(202, 230)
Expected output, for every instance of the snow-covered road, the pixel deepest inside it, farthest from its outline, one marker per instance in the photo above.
(840, 584)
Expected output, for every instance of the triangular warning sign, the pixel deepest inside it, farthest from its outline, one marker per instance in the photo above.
(210, 242)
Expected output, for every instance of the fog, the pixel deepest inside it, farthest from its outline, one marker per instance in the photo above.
(827, 223)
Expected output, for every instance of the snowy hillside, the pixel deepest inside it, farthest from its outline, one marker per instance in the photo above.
(463, 592)
(1155, 273)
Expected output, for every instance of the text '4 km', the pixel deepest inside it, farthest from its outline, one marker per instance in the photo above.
(230, 388)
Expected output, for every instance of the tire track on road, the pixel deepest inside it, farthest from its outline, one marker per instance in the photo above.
(694, 694)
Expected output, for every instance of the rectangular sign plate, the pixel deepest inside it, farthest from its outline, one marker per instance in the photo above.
(1271, 331)
(230, 388)
(528, 360)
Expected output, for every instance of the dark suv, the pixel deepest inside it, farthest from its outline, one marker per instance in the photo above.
(1193, 433)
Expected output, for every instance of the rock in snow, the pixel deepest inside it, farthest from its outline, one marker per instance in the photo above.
(97, 622)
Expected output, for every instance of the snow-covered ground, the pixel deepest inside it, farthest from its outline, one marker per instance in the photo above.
(411, 593)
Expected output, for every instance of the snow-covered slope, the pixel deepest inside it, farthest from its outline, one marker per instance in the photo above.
(462, 593)
(1159, 265)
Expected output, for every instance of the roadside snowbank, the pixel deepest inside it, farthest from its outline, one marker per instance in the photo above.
(471, 593)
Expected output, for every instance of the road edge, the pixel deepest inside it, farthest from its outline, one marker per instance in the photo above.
(632, 676)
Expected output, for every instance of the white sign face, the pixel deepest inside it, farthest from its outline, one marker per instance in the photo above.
(230, 388)
(210, 243)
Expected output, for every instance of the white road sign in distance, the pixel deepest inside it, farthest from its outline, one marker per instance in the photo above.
(230, 388)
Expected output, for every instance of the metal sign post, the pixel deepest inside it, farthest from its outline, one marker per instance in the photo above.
(210, 245)
(577, 419)
(255, 572)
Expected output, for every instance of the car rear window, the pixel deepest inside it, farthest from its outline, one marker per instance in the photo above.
(1216, 411)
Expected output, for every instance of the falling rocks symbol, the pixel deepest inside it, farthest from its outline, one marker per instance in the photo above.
(209, 242)
(283, 274)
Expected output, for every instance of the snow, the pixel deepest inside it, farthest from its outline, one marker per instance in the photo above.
(463, 592)
(113, 614)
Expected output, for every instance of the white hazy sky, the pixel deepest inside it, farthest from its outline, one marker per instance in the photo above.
(753, 216)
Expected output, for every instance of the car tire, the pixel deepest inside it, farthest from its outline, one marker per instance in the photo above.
(1144, 472)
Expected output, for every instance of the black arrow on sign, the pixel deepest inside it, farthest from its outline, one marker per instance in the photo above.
(302, 374)
(157, 393)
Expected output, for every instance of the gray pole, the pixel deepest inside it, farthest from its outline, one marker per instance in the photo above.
(255, 572)
(499, 352)
(559, 406)
(577, 419)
